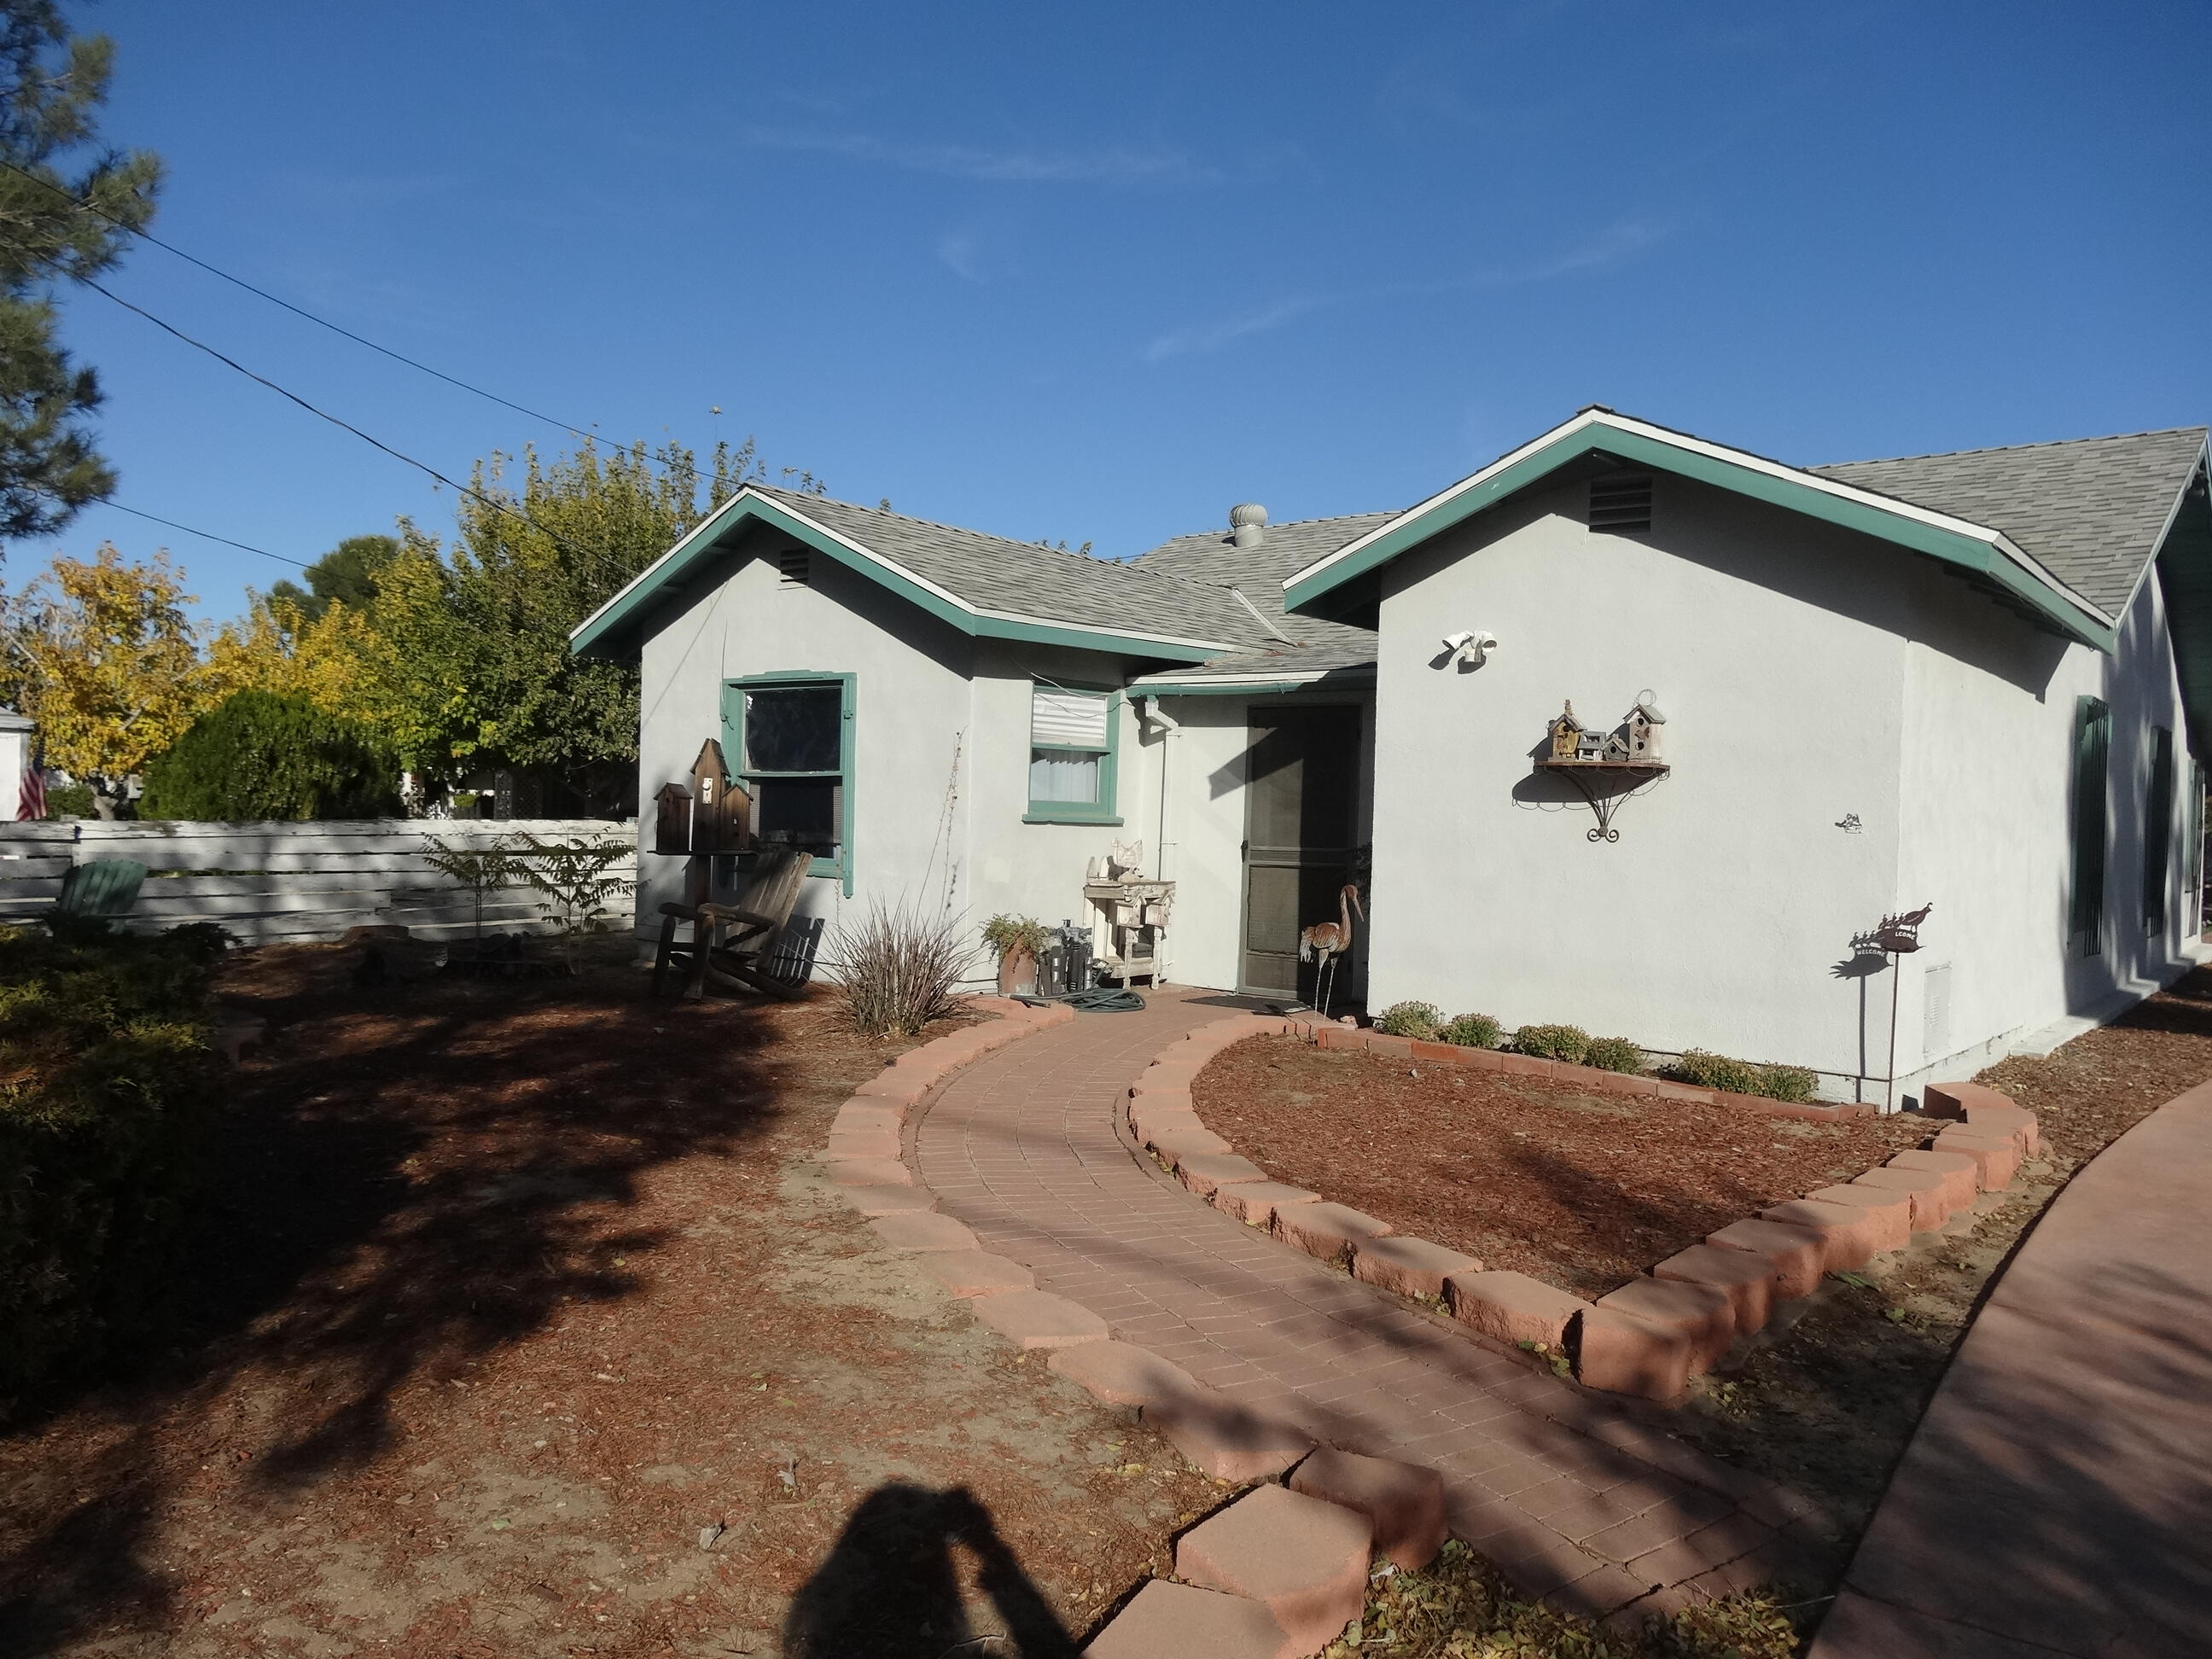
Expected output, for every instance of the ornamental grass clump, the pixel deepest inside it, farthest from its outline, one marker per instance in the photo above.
(1411, 1020)
(108, 1096)
(1613, 1054)
(1472, 1031)
(1567, 1042)
(898, 969)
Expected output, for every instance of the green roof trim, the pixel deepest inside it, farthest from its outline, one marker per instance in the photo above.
(605, 632)
(2044, 601)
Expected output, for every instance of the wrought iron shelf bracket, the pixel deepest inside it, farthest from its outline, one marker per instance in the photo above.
(1603, 807)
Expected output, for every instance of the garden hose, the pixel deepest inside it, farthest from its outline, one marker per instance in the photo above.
(1099, 999)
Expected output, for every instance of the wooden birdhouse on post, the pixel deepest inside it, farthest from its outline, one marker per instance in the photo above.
(1566, 734)
(671, 827)
(721, 810)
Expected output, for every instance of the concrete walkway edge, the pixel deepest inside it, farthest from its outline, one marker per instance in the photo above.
(2057, 1498)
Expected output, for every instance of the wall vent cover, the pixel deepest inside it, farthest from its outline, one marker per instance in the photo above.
(793, 566)
(1620, 504)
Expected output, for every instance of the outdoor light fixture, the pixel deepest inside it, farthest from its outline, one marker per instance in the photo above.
(1470, 649)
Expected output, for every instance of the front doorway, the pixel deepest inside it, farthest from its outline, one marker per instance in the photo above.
(1301, 816)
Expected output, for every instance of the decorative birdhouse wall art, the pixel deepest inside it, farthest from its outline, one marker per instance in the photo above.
(1643, 729)
(1566, 731)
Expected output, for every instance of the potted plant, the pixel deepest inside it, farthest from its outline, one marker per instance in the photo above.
(1018, 940)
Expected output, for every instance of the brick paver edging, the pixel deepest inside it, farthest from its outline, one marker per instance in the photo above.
(1276, 1574)
(1650, 1336)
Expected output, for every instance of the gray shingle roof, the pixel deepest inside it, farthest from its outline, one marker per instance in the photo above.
(1357, 651)
(2089, 510)
(1260, 572)
(995, 574)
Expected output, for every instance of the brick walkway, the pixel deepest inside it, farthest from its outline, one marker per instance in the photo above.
(2057, 1498)
(1573, 1497)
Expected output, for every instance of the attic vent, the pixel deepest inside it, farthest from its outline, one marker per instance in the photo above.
(790, 565)
(1620, 504)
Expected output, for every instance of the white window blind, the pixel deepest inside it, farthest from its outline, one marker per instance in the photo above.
(1068, 719)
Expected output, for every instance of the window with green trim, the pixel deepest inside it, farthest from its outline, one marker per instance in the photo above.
(2093, 742)
(2158, 831)
(1073, 744)
(791, 739)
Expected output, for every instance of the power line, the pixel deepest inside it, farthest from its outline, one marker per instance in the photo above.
(475, 494)
(297, 310)
(156, 518)
(204, 535)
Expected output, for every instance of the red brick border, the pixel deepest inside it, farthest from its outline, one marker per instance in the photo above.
(1653, 1335)
(1285, 1569)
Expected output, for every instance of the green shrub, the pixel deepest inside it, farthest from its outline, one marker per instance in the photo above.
(107, 1092)
(1613, 1054)
(70, 800)
(1711, 1071)
(259, 756)
(1472, 1031)
(1786, 1083)
(1410, 1019)
(1567, 1042)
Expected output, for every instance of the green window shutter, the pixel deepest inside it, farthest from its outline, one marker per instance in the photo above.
(2158, 831)
(2092, 740)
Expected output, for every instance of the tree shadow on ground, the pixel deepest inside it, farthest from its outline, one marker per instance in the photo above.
(412, 1178)
(890, 1589)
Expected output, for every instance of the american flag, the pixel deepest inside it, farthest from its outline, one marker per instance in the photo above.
(31, 804)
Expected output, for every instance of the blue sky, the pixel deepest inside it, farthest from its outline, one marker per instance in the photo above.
(1098, 273)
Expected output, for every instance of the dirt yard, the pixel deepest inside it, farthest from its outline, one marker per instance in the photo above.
(1583, 1191)
(522, 1321)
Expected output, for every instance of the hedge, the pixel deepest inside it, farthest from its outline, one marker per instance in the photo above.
(258, 755)
(107, 1095)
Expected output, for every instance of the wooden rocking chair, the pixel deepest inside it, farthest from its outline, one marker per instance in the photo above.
(758, 919)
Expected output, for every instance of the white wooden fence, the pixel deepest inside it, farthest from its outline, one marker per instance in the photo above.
(298, 882)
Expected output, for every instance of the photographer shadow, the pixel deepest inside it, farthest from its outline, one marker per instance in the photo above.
(890, 1587)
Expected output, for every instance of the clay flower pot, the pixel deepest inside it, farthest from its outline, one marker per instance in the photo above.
(1018, 973)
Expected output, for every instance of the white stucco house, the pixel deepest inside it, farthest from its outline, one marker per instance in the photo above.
(1980, 681)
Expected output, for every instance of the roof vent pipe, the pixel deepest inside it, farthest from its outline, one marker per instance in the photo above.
(1247, 524)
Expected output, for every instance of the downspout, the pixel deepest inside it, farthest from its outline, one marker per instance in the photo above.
(1167, 725)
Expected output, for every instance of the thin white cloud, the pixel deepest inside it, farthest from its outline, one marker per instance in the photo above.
(1113, 164)
(1617, 242)
(959, 252)
(1212, 336)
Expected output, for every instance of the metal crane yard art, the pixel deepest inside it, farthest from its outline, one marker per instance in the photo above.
(1325, 941)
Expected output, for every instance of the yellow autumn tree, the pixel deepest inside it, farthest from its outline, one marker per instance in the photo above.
(277, 646)
(100, 652)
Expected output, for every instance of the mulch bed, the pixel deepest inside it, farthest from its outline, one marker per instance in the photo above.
(504, 1293)
(1583, 1191)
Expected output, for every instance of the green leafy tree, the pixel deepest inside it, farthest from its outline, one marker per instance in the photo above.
(346, 575)
(473, 667)
(51, 86)
(262, 756)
